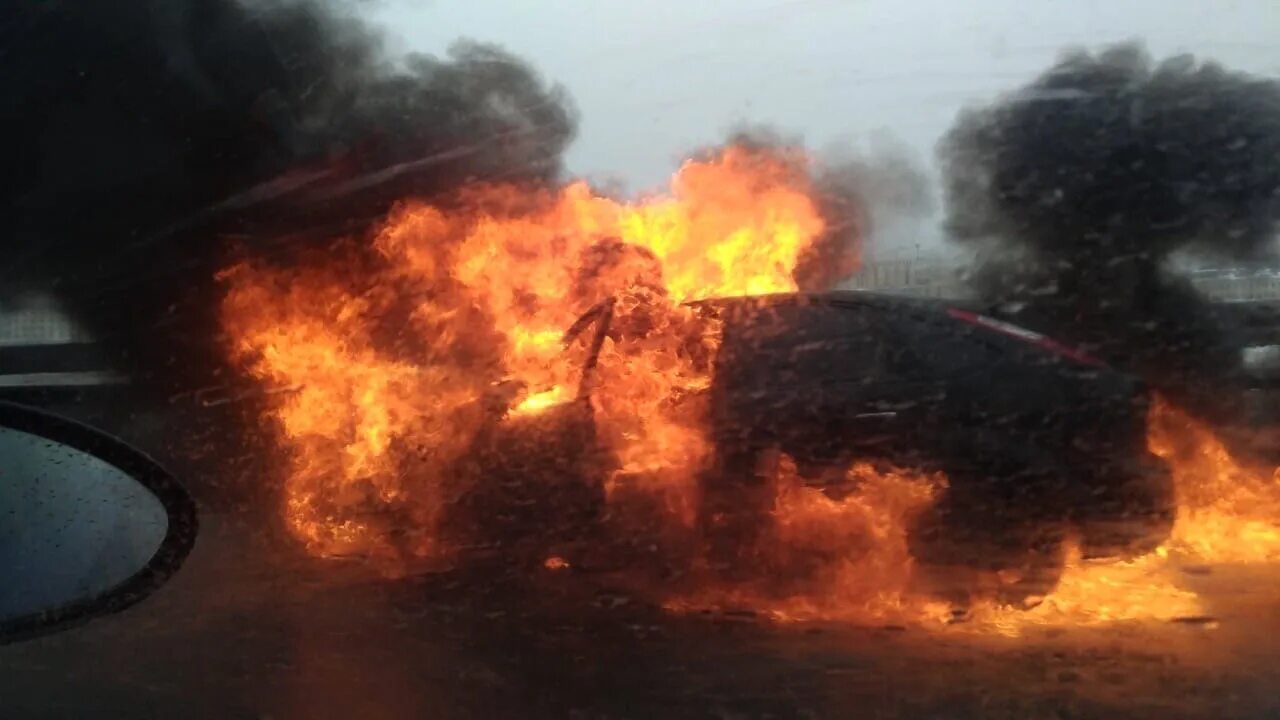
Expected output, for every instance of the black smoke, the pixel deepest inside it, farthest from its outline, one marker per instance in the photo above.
(141, 135)
(1078, 187)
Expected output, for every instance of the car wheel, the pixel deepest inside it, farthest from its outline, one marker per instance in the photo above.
(965, 548)
(1130, 511)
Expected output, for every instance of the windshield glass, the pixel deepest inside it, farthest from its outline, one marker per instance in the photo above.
(629, 360)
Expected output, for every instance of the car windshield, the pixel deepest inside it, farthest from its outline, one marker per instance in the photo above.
(774, 358)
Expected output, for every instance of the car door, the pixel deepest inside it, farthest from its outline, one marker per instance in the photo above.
(988, 395)
(810, 377)
(893, 405)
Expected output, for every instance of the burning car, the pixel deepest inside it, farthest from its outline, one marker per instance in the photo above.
(552, 373)
(1037, 440)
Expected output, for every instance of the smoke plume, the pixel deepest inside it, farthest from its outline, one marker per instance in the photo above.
(1077, 188)
(140, 134)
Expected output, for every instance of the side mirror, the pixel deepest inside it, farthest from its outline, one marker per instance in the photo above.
(88, 525)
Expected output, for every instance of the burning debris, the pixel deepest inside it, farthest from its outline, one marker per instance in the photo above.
(1079, 186)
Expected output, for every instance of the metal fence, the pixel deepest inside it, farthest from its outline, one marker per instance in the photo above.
(935, 278)
(1239, 288)
(920, 277)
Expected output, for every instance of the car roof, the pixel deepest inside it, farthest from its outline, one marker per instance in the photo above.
(861, 298)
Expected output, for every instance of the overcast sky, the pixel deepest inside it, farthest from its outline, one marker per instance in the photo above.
(653, 79)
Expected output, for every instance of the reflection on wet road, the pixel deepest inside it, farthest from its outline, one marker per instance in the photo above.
(248, 631)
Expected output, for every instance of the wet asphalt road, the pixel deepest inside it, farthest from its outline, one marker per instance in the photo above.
(251, 628)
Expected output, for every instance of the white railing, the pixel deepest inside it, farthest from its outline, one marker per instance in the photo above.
(928, 277)
(923, 277)
(1239, 289)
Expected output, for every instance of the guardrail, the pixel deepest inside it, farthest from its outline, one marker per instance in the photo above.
(1239, 289)
(936, 278)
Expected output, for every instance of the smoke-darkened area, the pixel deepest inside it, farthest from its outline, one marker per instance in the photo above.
(1077, 188)
(140, 135)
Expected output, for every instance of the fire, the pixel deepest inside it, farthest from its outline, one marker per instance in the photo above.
(392, 360)
(1228, 512)
(843, 559)
(404, 354)
(540, 401)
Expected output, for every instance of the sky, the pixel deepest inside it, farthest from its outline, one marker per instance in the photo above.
(652, 80)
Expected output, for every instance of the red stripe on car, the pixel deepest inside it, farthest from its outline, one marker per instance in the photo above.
(1026, 335)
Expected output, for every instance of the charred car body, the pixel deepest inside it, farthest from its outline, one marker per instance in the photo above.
(1037, 441)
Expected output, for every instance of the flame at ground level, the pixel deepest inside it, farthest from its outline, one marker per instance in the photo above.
(1228, 513)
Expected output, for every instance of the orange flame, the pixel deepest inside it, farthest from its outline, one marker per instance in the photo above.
(841, 559)
(396, 356)
(1227, 514)
(390, 366)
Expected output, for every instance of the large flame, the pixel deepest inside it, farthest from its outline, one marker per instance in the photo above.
(395, 358)
(388, 360)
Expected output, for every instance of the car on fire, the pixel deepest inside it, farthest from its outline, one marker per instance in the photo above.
(1039, 441)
